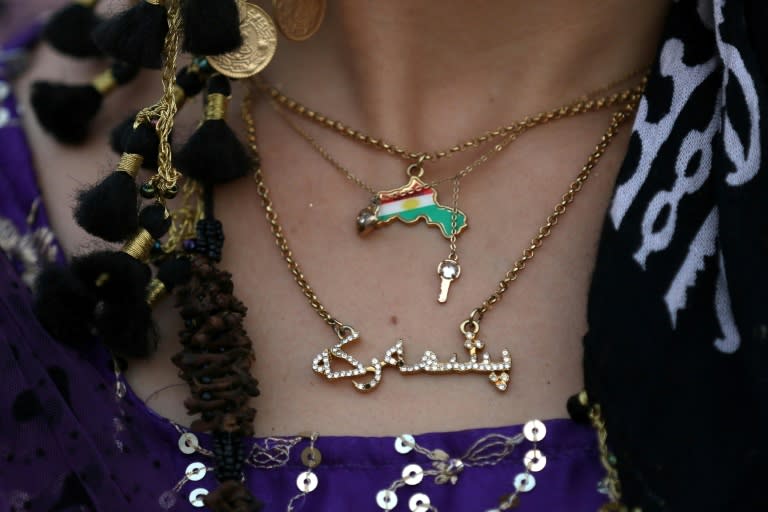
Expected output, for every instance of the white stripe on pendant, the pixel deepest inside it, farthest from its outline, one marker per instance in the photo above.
(402, 205)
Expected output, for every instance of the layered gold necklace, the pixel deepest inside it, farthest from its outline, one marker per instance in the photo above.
(367, 376)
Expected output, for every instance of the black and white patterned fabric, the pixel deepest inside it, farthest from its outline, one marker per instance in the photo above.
(677, 349)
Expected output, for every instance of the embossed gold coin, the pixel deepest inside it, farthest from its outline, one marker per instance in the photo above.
(259, 44)
(299, 19)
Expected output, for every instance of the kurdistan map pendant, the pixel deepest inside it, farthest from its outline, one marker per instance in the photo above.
(410, 203)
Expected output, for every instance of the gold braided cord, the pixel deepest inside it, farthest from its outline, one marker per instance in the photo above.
(215, 106)
(140, 245)
(163, 111)
(185, 217)
(104, 82)
(179, 95)
(129, 163)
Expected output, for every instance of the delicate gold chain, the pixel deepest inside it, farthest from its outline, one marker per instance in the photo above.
(393, 149)
(544, 231)
(581, 106)
(476, 315)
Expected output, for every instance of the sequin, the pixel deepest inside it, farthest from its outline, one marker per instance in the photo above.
(404, 443)
(188, 443)
(306, 481)
(120, 389)
(413, 474)
(195, 471)
(534, 431)
(534, 460)
(196, 497)
(386, 499)
(525, 482)
(167, 500)
(419, 503)
(311, 457)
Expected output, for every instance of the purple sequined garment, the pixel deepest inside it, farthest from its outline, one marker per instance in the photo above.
(74, 437)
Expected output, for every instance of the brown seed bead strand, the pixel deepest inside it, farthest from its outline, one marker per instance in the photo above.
(216, 363)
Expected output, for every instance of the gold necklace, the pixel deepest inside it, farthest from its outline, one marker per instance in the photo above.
(384, 205)
(479, 361)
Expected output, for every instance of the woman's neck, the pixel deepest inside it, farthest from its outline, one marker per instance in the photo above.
(428, 73)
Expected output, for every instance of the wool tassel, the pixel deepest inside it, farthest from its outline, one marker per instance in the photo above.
(105, 292)
(213, 154)
(211, 28)
(170, 273)
(189, 82)
(69, 29)
(66, 111)
(136, 35)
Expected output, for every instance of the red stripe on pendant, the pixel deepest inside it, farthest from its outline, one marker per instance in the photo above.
(416, 193)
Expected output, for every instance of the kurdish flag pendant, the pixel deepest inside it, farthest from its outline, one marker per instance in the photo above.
(410, 203)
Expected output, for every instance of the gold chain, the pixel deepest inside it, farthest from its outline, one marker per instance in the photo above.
(581, 106)
(472, 323)
(588, 99)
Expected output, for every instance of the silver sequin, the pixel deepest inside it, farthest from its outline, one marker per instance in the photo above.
(195, 471)
(525, 482)
(386, 499)
(404, 443)
(419, 503)
(306, 481)
(196, 497)
(535, 431)
(413, 474)
(534, 460)
(188, 443)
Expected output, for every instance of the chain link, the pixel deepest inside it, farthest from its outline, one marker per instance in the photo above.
(511, 132)
(274, 224)
(586, 101)
(511, 275)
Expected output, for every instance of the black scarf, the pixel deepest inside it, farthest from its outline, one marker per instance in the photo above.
(677, 345)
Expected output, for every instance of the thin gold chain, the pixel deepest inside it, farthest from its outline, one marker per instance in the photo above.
(511, 132)
(512, 274)
(394, 149)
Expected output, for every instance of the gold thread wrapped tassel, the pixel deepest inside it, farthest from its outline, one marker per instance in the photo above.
(130, 163)
(104, 82)
(140, 245)
(215, 107)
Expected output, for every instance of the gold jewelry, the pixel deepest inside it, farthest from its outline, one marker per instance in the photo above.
(299, 19)
(478, 362)
(590, 102)
(258, 48)
(381, 209)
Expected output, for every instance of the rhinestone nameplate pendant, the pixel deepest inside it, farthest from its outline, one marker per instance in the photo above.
(414, 201)
(478, 362)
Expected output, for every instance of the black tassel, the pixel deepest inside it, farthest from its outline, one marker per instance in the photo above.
(213, 154)
(69, 29)
(66, 111)
(105, 293)
(189, 83)
(136, 35)
(211, 28)
(121, 318)
(147, 143)
(64, 305)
